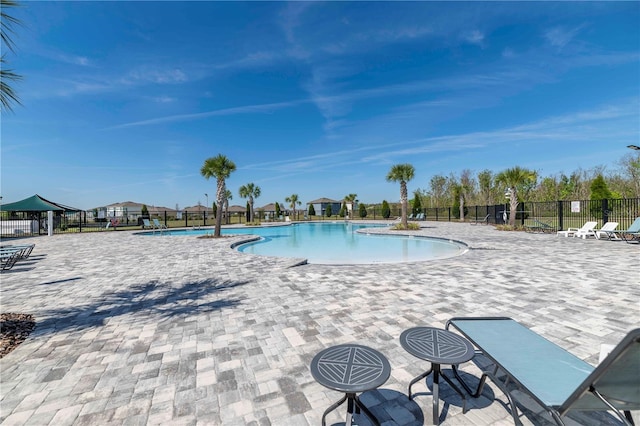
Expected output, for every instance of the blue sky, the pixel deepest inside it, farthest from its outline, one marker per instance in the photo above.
(123, 101)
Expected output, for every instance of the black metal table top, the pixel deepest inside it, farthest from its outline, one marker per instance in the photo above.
(436, 345)
(350, 368)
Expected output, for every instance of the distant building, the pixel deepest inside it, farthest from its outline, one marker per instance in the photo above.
(127, 210)
(320, 206)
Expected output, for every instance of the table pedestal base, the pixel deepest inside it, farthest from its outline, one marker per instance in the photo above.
(354, 405)
(437, 373)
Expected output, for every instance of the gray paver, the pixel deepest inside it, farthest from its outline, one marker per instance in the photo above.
(179, 330)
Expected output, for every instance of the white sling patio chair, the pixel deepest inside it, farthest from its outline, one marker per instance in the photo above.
(582, 232)
(605, 231)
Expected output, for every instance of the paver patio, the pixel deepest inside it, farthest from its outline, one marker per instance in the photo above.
(179, 330)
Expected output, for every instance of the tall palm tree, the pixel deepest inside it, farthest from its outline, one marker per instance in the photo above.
(402, 173)
(7, 94)
(221, 168)
(515, 179)
(293, 201)
(250, 191)
(227, 196)
(351, 199)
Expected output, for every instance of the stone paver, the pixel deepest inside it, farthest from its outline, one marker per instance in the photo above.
(179, 330)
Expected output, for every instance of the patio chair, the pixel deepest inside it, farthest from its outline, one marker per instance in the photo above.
(484, 221)
(630, 234)
(146, 224)
(570, 232)
(604, 231)
(539, 226)
(24, 250)
(554, 378)
(159, 225)
(8, 258)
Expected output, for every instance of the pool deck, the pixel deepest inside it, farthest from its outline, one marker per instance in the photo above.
(178, 330)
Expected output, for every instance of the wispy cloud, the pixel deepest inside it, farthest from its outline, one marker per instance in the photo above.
(155, 75)
(246, 109)
(574, 127)
(474, 37)
(561, 36)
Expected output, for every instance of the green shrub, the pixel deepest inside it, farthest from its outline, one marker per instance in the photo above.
(386, 211)
(312, 210)
(328, 211)
(362, 211)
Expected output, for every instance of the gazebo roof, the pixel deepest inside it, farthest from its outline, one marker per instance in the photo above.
(36, 203)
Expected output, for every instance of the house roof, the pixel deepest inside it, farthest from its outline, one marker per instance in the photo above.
(36, 203)
(323, 200)
(271, 207)
(237, 209)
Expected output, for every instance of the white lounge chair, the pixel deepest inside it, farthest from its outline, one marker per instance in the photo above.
(582, 232)
(605, 231)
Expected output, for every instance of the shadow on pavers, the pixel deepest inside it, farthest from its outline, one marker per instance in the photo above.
(166, 299)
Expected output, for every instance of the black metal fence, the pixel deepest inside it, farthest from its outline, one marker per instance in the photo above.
(557, 215)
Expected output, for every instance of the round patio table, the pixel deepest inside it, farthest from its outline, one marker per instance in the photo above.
(437, 346)
(350, 369)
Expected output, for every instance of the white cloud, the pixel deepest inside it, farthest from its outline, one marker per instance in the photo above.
(474, 37)
(560, 36)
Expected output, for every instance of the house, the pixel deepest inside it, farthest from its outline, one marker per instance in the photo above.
(320, 206)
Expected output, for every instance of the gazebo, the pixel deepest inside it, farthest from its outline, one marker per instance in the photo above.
(26, 216)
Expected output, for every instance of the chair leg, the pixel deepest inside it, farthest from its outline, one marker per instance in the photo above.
(366, 411)
(417, 379)
(333, 407)
(458, 391)
(480, 387)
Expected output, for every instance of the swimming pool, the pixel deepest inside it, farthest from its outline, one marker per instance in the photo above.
(337, 243)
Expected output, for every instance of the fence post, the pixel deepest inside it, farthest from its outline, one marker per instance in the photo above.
(560, 213)
(605, 211)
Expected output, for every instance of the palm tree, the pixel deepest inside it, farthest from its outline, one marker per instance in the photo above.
(402, 173)
(221, 168)
(250, 191)
(7, 94)
(351, 199)
(227, 196)
(515, 179)
(293, 200)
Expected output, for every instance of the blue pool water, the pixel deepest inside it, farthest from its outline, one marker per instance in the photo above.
(337, 243)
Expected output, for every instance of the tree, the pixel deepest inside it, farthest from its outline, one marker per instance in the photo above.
(250, 191)
(416, 204)
(438, 189)
(630, 164)
(312, 210)
(144, 211)
(351, 199)
(293, 201)
(362, 211)
(515, 179)
(247, 213)
(221, 168)
(277, 210)
(328, 211)
(402, 173)
(599, 191)
(386, 211)
(227, 196)
(343, 209)
(7, 95)
(462, 189)
(485, 184)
